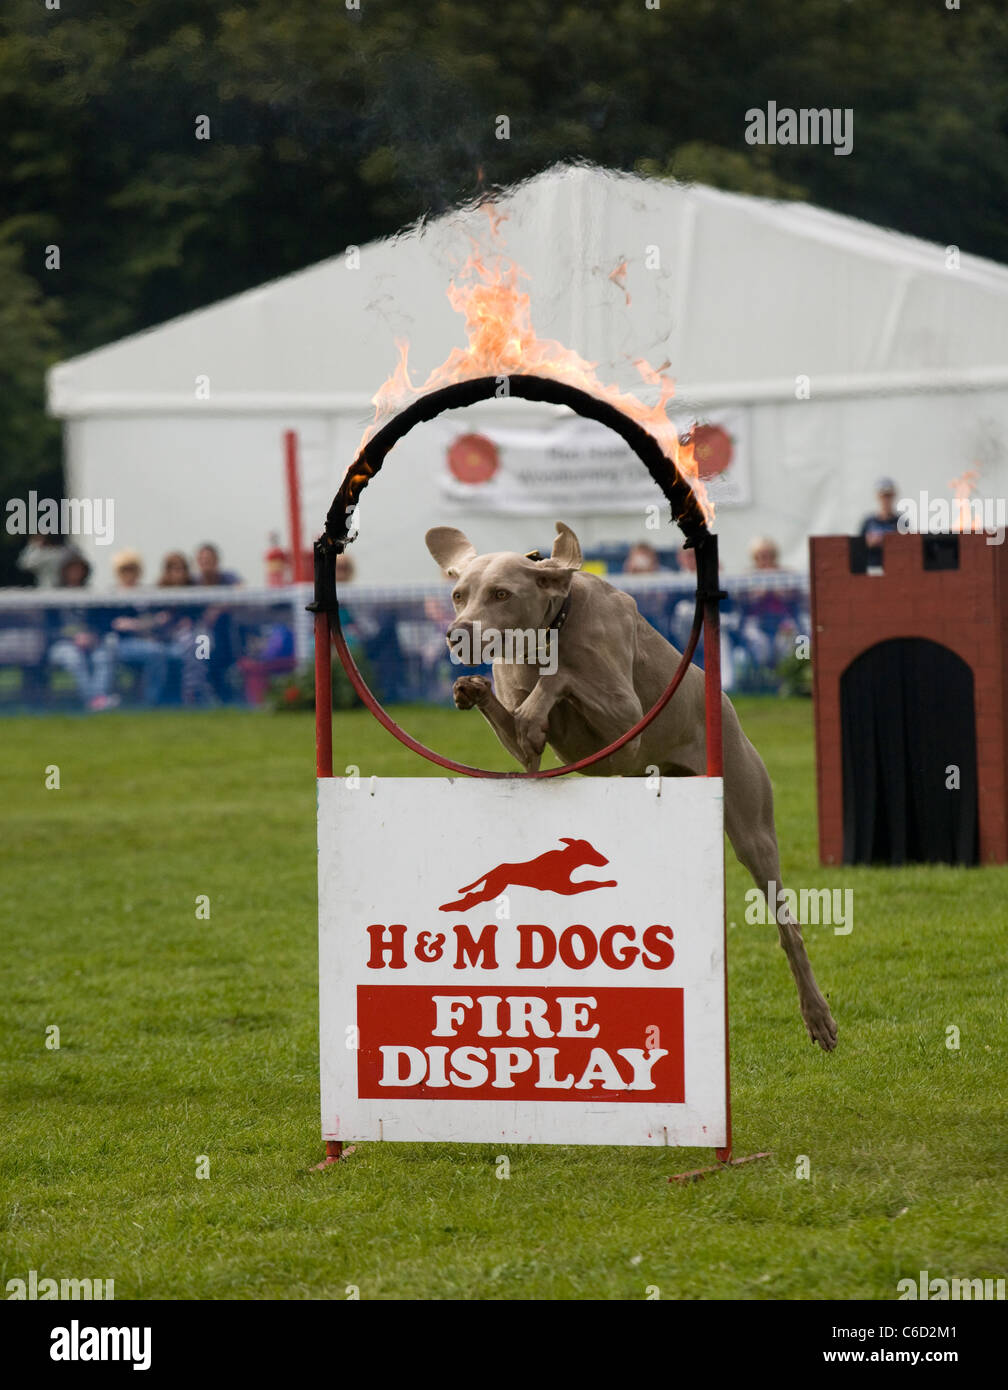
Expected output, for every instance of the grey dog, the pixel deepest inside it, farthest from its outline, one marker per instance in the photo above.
(610, 666)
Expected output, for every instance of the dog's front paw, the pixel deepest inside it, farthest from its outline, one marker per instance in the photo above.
(820, 1023)
(471, 692)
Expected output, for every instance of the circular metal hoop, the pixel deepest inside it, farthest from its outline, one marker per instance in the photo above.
(686, 513)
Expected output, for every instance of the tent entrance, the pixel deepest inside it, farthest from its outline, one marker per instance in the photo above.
(909, 756)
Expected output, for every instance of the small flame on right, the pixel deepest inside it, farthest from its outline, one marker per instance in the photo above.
(963, 487)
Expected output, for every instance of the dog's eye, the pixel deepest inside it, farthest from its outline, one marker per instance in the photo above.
(501, 594)
(457, 596)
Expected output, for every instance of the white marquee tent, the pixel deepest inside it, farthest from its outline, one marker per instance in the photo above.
(900, 346)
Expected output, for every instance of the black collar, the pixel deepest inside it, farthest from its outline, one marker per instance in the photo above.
(561, 615)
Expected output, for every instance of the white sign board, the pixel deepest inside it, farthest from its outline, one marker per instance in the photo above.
(505, 961)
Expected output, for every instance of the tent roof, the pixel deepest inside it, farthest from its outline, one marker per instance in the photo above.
(739, 294)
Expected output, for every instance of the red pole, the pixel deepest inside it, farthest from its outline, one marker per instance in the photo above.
(294, 505)
(323, 757)
(712, 687)
(323, 696)
(715, 768)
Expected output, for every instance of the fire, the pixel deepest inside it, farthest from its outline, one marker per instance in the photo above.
(501, 341)
(618, 277)
(962, 489)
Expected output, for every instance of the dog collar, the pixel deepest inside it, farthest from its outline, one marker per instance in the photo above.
(561, 616)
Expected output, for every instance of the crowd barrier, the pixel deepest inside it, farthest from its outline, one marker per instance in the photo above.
(72, 649)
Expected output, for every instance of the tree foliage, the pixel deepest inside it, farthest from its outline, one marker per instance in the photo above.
(331, 125)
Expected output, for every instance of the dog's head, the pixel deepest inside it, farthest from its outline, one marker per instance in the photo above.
(586, 853)
(504, 591)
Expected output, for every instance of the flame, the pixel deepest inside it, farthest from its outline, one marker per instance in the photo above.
(501, 341)
(962, 488)
(618, 277)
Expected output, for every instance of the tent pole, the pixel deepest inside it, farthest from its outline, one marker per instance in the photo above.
(298, 567)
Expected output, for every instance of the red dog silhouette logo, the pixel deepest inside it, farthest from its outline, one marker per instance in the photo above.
(550, 872)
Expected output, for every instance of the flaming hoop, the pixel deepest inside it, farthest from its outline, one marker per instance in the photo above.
(687, 513)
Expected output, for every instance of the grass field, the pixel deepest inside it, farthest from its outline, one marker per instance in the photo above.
(182, 1038)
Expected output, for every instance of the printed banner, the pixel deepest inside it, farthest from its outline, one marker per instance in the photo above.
(570, 989)
(580, 466)
(721, 450)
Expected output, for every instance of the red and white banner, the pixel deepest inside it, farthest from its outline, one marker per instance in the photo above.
(580, 466)
(522, 962)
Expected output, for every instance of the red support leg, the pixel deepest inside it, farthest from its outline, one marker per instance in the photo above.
(323, 766)
(334, 1153)
(715, 768)
(323, 696)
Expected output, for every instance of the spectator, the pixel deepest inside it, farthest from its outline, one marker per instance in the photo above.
(127, 567)
(642, 559)
(880, 523)
(178, 632)
(654, 604)
(208, 566)
(767, 613)
(79, 649)
(134, 639)
(44, 557)
(764, 554)
(174, 571)
(75, 572)
(217, 621)
(343, 569)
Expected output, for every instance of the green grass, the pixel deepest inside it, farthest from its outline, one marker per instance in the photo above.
(181, 1038)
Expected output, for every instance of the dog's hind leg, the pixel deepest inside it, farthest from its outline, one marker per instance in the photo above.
(468, 887)
(749, 824)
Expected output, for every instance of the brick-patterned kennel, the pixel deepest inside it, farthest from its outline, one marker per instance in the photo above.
(950, 590)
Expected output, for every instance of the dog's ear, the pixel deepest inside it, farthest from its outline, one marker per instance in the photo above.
(450, 548)
(566, 548)
(557, 573)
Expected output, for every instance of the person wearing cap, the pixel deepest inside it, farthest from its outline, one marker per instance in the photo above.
(767, 612)
(135, 639)
(886, 519)
(127, 567)
(764, 553)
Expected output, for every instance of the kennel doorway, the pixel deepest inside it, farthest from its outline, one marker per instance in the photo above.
(909, 756)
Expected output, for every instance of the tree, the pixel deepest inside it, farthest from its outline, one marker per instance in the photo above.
(330, 126)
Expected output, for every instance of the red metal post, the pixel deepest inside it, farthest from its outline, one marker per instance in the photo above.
(323, 754)
(323, 696)
(715, 768)
(712, 687)
(298, 562)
